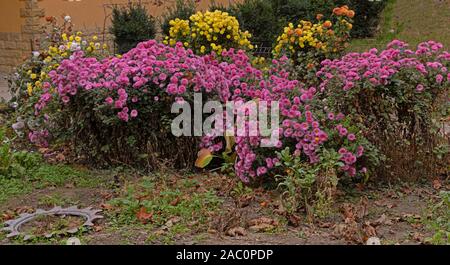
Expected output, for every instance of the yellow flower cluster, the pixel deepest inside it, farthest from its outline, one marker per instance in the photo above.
(207, 32)
(258, 61)
(304, 35)
(322, 37)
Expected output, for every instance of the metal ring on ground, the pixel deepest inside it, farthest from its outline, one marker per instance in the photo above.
(13, 226)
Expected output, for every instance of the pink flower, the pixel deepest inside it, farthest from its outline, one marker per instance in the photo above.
(134, 113)
(343, 131)
(419, 88)
(342, 151)
(162, 76)
(109, 100)
(261, 171)
(65, 99)
(351, 137)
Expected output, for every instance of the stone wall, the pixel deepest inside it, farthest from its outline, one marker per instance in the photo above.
(12, 49)
(16, 46)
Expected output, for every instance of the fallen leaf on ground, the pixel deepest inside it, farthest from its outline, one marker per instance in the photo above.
(437, 185)
(173, 221)
(106, 195)
(60, 157)
(324, 224)
(159, 232)
(360, 186)
(385, 203)
(245, 200)
(236, 231)
(8, 215)
(383, 220)
(417, 226)
(262, 224)
(43, 150)
(348, 212)
(263, 220)
(98, 228)
(261, 228)
(24, 209)
(369, 230)
(294, 220)
(407, 216)
(362, 208)
(143, 216)
(418, 237)
(407, 190)
(175, 202)
(69, 186)
(212, 231)
(204, 157)
(349, 230)
(106, 206)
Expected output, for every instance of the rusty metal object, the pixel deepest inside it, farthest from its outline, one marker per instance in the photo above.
(13, 226)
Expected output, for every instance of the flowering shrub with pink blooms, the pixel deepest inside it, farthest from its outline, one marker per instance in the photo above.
(118, 109)
(398, 95)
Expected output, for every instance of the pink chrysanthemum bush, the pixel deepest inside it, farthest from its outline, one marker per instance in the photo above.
(305, 128)
(316, 147)
(118, 110)
(399, 96)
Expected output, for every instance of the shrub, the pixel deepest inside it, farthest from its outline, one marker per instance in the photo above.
(307, 44)
(266, 24)
(263, 24)
(292, 11)
(15, 164)
(118, 109)
(122, 110)
(366, 19)
(305, 129)
(131, 24)
(398, 96)
(367, 16)
(208, 32)
(30, 85)
(183, 9)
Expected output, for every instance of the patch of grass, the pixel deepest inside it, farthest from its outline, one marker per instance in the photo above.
(177, 207)
(387, 31)
(11, 187)
(46, 175)
(439, 220)
(55, 200)
(58, 175)
(241, 190)
(412, 21)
